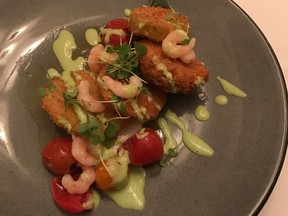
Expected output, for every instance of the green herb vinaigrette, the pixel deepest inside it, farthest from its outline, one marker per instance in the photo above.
(221, 100)
(92, 36)
(131, 196)
(231, 89)
(191, 141)
(201, 113)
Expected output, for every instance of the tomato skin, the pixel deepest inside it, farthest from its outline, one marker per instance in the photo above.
(144, 150)
(102, 178)
(115, 40)
(57, 156)
(68, 202)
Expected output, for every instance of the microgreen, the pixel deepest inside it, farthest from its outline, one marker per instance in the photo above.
(160, 3)
(69, 99)
(91, 130)
(42, 92)
(172, 153)
(185, 42)
(111, 129)
(127, 62)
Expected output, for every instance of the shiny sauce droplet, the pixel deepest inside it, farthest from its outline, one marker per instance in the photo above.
(191, 141)
(231, 89)
(92, 36)
(201, 113)
(221, 100)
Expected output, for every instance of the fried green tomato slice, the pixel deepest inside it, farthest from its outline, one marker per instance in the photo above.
(64, 115)
(156, 23)
(145, 106)
(171, 75)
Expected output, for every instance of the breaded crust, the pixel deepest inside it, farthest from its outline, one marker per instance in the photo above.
(53, 103)
(145, 106)
(171, 75)
(156, 23)
(63, 115)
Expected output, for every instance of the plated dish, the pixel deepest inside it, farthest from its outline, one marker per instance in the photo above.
(223, 52)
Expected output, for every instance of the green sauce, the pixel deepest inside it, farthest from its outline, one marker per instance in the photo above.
(68, 80)
(82, 116)
(108, 32)
(92, 36)
(141, 25)
(95, 201)
(201, 113)
(162, 67)
(63, 47)
(65, 123)
(231, 89)
(127, 12)
(192, 142)
(132, 195)
(221, 100)
(52, 73)
(170, 142)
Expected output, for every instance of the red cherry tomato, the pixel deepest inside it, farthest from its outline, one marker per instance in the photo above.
(115, 39)
(57, 156)
(73, 203)
(144, 148)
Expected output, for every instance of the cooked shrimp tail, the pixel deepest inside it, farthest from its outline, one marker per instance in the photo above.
(126, 91)
(172, 47)
(81, 185)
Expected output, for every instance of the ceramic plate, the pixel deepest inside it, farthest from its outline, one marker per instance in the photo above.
(248, 135)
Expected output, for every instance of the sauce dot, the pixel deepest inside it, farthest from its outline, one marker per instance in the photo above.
(221, 100)
(201, 113)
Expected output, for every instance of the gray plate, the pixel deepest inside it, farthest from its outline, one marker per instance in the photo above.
(248, 135)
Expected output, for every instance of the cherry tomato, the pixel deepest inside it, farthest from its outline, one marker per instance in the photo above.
(102, 178)
(57, 156)
(144, 148)
(115, 39)
(73, 203)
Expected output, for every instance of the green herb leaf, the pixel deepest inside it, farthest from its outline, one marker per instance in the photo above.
(42, 92)
(172, 153)
(123, 108)
(109, 142)
(160, 3)
(111, 129)
(185, 42)
(140, 49)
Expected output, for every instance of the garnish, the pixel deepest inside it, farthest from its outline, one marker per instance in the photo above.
(70, 98)
(127, 63)
(166, 158)
(161, 3)
(91, 130)
(42, 92)
(185, 42)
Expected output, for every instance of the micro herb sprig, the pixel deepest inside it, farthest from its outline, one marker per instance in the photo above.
(161, 3)
(127, 62)
(166, 158)
(42, 92)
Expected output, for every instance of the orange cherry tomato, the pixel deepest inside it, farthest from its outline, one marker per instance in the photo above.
(102, 178)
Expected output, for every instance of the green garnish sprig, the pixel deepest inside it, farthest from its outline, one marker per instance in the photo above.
(127, 62)
(166, 158)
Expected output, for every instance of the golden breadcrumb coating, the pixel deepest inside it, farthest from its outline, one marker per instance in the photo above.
(171, 75)
(156, 23)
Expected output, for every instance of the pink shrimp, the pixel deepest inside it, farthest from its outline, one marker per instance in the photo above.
(98, 56)
(172, 47)
(79, 152)
(127, 91)
(87, 100)
(81, 185)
